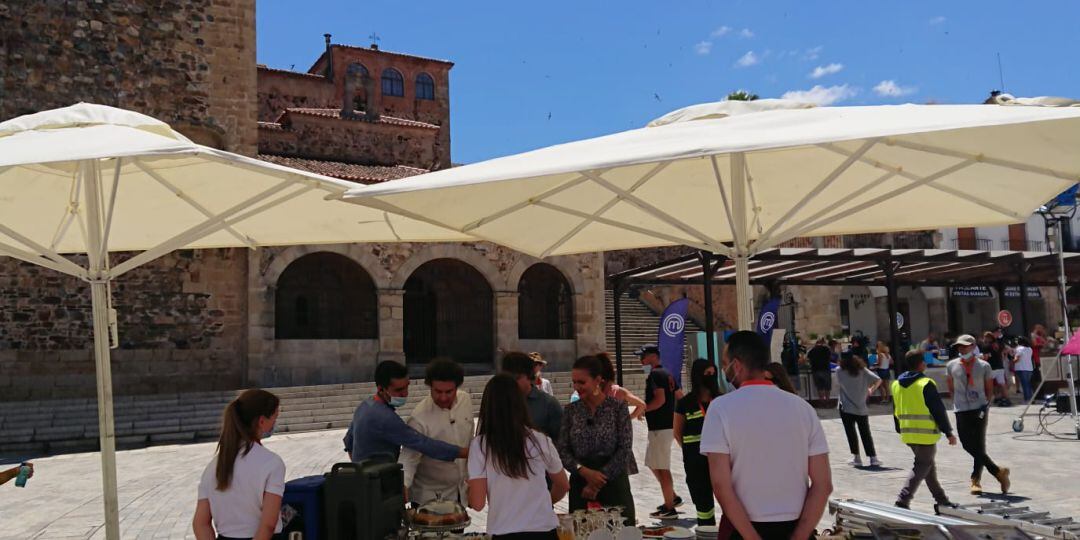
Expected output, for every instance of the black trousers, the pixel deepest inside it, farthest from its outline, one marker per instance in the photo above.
(616, 492)
(971, 429)
(699, 483)
(543, 535)
(851, 421)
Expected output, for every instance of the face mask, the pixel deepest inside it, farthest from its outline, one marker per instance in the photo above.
(268, 433)
(647, 368)
(397, 401)
(967, 356)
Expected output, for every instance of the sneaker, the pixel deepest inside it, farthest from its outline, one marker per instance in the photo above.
(904, 505)
(943, 504)
(665, 513)
(856, 461)
(875, 462)
(1003, 477)
(976, 487)
(677, 502)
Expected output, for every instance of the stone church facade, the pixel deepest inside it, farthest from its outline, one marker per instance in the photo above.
(227, 318)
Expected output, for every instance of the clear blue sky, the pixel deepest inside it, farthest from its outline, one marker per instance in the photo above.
(600, 67)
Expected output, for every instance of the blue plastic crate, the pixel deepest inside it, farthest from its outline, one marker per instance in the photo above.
(306, 496)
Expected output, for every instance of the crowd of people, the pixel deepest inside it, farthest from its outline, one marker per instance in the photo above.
(528, 452)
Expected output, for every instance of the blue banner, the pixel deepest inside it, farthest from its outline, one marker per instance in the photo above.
(767, 319)
(671, 339)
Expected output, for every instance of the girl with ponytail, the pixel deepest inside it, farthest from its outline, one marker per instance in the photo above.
(241, 488)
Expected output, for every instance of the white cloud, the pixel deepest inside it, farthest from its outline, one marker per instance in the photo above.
(748, 59)
(813, 53)
(822, 71)
(703, 47)
(937, 20)
(746, 33)
(822, 95)
(889, 88)
(720, 32)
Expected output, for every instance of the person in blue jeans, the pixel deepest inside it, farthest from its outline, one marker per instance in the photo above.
(1024, 366)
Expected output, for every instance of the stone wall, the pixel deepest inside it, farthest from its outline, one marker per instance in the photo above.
(279, 90)
(182, 327)
(390, 265)
(187, 63)
(353, 140)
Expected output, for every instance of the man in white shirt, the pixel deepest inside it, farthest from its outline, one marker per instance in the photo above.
(771, 476)
(445, 415)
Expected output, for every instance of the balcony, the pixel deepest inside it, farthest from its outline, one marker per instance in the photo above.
(989, 244)
(898, 240)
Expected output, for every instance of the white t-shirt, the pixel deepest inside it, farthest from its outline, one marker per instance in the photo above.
(770, 434)
(1023, 359)
(518, 504)
(884, 360)
(237, 510)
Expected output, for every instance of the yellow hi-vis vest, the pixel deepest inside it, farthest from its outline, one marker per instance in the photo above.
(917, 426)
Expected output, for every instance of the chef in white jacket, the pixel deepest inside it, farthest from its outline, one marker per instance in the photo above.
(447, 415)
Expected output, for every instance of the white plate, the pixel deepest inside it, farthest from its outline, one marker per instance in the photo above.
(679, 533)
(629, 533)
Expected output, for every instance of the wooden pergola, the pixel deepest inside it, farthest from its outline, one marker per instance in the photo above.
(872, 267)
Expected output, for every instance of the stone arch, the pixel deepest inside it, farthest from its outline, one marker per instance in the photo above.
(545, 303)
(357, 252)
(448, 312)
(325, 295)
(569, 271)
(466, 254)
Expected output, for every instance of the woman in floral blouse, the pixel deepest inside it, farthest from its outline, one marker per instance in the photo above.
(596, 443)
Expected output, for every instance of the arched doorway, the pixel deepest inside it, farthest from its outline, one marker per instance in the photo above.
(325, 296)
(448, 313)
(545, 304)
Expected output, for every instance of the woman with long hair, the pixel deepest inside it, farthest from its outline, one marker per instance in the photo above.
(778, 375)
(510, 463)
(689, 421)
(884, 368)
(240, 490)
(857, 383)
(596, 443)
(618, 392)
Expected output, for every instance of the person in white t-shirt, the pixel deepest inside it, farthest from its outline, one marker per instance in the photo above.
(1024, 366)
(510, 464)
(241, 488)
(772, 479)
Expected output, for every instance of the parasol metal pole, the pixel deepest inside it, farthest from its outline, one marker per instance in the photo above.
(706, 283)
(741, 253)
(99, 280)
(618, 285)
(1060, 241)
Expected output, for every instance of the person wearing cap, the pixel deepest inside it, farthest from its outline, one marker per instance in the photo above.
(971, 383)
(660, 401)
(538, 367)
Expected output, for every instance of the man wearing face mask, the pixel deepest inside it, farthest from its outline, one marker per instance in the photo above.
(971, 383)
(660, 400)
(377, 430)
(772, 481)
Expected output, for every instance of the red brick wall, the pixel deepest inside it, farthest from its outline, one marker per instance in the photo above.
(435, 111)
